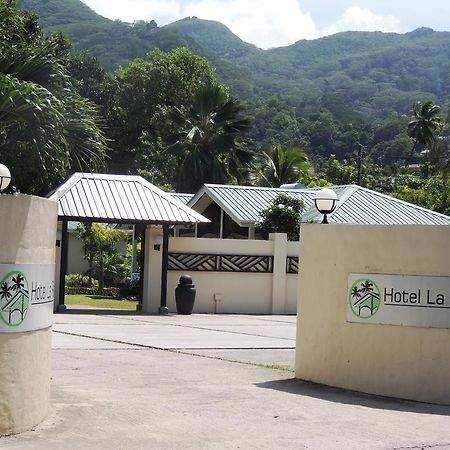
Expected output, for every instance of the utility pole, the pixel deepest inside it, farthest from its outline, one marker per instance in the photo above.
(358, 164)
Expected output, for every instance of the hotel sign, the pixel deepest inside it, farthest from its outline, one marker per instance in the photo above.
(26, 297)
(409, 300)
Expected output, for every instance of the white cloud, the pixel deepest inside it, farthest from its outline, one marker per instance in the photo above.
(362, 19)
(130, 10)
(265, 23)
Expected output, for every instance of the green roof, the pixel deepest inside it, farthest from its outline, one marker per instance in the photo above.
(356, 205)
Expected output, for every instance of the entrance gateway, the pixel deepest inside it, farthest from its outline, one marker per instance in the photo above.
(26, 292)
(118, 199)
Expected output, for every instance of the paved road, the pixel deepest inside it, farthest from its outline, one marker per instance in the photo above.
(208, 382)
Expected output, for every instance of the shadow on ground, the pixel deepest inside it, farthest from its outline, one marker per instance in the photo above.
(331, 394)
(104, 312)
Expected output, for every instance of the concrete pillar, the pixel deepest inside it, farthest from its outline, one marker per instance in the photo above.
(374, 356)
(279, 272)
(152, 276)
(27, 258)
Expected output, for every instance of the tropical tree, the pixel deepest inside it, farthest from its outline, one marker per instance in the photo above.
(285, 165)
(88, 76)
(98, 246)
(283, 215)
(425, 124)
(140, 96)
(46, 127)
(208, 142)
(5, 291)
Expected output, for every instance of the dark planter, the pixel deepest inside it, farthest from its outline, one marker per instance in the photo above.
(185, 295)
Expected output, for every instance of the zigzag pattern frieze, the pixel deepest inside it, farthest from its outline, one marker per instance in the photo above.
(292, 264)
(220, 263)
(246, 263)
(189, 261)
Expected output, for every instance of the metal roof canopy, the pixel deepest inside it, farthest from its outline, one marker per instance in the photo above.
(94, 197)
(356, 205)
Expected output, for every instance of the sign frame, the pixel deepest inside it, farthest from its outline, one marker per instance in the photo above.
(392, 299)
(27, 295)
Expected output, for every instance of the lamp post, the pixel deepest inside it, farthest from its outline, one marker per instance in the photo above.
(325, 201)
(5, 177)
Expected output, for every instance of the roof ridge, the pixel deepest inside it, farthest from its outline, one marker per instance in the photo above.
(349, 190)
(131, 205)
(236, 186)
(398, 200)
(63, 188)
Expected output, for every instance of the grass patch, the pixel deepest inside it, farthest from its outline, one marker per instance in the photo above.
(248, 363)
(100, 301)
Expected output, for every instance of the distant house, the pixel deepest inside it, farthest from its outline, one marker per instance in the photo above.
(234, 210)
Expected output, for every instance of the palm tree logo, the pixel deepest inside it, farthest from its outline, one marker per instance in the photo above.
(364, 298)
(14, 298)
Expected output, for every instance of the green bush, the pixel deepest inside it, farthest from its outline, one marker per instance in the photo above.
(77, 280)
(116, 269)
(282, 216)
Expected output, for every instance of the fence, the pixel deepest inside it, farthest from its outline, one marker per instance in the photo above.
(231, 275)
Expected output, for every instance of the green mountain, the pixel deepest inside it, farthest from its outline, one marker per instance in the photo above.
(377, 75)
(58, 13)
(375, 72)
(115, 43)
(217, 37)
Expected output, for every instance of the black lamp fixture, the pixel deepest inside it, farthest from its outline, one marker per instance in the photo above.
(325, 201)
(158, 240)
(5, 177)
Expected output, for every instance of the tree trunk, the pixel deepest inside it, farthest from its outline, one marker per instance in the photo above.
(91, 256)
(101, 274)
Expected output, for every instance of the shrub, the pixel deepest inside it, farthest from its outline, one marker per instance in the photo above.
(76, 280)
(116, 269)
(282, 216)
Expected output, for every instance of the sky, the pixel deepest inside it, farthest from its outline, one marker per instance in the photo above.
(275, 23)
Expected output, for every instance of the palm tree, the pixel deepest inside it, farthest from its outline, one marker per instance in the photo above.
(356, 293)
(98, 244)
(17, 282)
(425, 125)
(4, 291)
(366, 287)
(286, 165)
(208, 141)
(46, 127)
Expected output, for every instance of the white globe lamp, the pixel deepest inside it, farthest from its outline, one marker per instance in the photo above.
(5, 177)
(325, 201)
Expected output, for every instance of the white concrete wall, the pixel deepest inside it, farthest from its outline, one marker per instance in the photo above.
(75, 255)
(226, 292)
(28, 235)
(76, 263)
(400, 361)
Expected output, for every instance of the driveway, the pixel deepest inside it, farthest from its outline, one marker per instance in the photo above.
(133, 381)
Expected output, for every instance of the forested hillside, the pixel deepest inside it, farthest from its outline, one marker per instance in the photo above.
(345, 99)
(217, 37)
(377, 74)
(115, 43)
